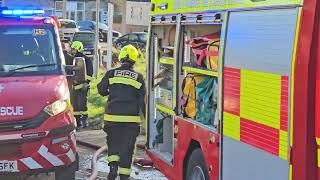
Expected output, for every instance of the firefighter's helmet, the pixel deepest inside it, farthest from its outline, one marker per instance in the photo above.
(77, 45)
(130, 52)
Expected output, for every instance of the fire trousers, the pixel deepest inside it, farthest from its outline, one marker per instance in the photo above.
(121, 140)
(79, 103)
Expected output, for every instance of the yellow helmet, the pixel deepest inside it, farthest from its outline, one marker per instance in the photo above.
(77, 45)
(129, 51)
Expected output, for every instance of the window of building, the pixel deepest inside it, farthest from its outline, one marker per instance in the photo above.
(80, 15)
(93, 17)
(80, 6)
(75, 10)
(59, 6)
(80, 11)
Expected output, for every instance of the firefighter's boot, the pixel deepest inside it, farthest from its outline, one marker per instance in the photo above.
(79, 123)
(84, 121)
(113, 171)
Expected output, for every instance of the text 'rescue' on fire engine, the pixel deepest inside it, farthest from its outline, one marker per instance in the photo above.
(37, 127)
(233, 89)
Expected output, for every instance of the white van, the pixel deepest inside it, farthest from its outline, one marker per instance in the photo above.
(67, 30)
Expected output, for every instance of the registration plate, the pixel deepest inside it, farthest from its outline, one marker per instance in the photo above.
(86, 52)
(8, 166)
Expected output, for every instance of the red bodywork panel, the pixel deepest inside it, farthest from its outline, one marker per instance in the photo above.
(32, 93)
(23, 21)
(317, 108)
(197, 133)
(30, 148)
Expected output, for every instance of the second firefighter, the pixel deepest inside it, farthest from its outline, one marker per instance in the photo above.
(81, 89)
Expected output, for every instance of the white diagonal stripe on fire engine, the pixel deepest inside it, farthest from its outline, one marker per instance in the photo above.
(71, 155)
(10, 137)
(54, 160)
(31, 163)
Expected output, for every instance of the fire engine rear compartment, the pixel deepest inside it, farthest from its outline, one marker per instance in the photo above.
(165, 95)
(161, 125)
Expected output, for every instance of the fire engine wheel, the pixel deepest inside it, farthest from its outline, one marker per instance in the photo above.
(66, 173)
(196, 169)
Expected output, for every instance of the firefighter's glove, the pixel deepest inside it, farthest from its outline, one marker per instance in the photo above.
(86, 87)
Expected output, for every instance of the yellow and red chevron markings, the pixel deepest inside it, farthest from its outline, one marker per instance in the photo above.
(256, 109)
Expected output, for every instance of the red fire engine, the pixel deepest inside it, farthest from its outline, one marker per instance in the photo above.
(37, 127)
(233, 89)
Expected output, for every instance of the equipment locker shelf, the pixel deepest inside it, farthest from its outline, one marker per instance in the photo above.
(166, 60)
(165, 109)
(200, 71)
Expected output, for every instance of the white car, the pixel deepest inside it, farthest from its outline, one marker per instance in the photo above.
(67, 30)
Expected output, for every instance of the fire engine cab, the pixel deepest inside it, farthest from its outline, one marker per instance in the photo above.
(233, 89)
(37, 127)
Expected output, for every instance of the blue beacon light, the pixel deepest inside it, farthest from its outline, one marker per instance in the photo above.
(21, 12)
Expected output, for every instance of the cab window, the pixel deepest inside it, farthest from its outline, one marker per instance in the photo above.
(28, 45)
(133, 37)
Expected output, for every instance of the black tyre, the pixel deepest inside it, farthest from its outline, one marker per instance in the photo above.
(196, 168)
(67, 173)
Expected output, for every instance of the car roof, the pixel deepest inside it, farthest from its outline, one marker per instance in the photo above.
(138, 33)
(84, 21)
(66, 20)
(84, 32)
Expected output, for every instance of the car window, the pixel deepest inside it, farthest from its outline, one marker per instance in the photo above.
(85, 25)
(84, 37)
(115, 34)
(143, 37)
(68, 24)
(125, 37)
(103, 26)
(133, 37)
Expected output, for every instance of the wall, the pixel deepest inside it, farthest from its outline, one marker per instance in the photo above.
(133, 28)
(138, 13)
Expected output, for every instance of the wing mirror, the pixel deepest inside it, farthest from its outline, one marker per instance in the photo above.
(80, 69)
(77, 70)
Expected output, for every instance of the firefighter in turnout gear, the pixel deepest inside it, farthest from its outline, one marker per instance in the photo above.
(126, 91)
(81, 89)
